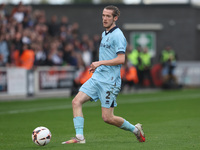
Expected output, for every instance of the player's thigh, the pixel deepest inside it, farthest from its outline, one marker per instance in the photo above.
(107, 112)
(81, 97)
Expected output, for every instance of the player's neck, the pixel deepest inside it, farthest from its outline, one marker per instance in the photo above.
(112, 26)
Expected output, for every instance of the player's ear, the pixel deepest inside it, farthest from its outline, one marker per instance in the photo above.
(115, 18)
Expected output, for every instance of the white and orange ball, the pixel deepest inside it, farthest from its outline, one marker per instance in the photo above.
(41, 136)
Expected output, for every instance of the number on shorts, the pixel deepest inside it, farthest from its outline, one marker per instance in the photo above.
(108, 96)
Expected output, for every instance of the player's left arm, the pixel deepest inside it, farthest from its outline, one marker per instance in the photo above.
(120, 59)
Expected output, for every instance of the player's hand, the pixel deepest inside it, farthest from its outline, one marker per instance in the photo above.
(91, 70)
(93, 66)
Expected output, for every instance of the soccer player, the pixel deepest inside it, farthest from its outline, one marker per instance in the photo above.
(105, 82)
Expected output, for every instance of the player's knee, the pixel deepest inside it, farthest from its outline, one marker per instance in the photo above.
(107, 119)
(75, 102)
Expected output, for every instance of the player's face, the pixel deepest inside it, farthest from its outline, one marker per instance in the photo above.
(108, 19)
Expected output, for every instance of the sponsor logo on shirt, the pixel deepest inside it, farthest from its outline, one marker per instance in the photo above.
(105, 45)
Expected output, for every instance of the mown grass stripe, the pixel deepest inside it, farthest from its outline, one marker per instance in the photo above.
(153, 98)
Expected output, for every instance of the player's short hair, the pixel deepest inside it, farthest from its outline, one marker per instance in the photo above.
(116, 11)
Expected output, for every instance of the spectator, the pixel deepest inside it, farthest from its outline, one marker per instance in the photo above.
(40, 55)
(2, 64)
(144, 68)
(4, 51)
(14, 56)
(168, 60)
(53, 26)
(77, 45)
(18, 13)
(64, 21)
(69, 55)
(39, 17)
(75, 30)
(96, 41)
(129, 77)
(18, 42)
(26, 36)
(87, 49)
(133, 56)
(2, 12)
(27, 57)
(85, 40)
(27, 21)
(87, 53)
(55, 56)
(63, 34)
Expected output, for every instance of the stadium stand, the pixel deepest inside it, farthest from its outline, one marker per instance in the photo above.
(54, 43)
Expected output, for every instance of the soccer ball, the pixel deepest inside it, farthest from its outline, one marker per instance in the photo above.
(41, 136)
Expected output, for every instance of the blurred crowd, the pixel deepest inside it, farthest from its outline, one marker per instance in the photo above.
(28, 39)
(139, 71)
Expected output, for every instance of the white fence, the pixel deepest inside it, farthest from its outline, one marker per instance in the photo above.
(41, 82)
(188, 73)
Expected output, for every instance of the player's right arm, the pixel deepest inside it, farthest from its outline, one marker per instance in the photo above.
(120, 59)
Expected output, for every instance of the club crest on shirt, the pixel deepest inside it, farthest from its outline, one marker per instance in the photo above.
(107, 39)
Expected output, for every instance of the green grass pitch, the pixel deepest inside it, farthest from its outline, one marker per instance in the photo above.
(171, 121)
